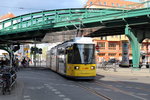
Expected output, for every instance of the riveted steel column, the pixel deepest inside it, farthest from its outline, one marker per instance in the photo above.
(135, 46)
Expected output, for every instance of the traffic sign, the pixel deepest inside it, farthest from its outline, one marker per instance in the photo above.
(97, 47)
(26, 49)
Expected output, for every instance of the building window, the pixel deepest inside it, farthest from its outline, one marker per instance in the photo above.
(101, 45)
(101, 54)
(118, 5)
(142, 46)
(112, 4)
(112, 44)
(112, 54)
(120, 54)
(105, 3)
(91, 3)
(99, 3)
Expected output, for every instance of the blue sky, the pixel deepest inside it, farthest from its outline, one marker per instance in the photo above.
(19, 7)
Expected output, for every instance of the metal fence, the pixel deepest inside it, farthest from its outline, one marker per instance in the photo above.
(115, 67)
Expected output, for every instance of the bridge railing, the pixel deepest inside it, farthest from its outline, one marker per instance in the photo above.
(66, 17)
(37, 19)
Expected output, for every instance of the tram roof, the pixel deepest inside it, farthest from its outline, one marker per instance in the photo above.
(77, 40)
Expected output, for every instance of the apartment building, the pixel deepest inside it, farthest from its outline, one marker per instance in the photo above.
(111, 46)
(113, 4)
(7, 16)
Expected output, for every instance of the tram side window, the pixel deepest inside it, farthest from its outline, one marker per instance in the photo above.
(61, 55)
(70, 56)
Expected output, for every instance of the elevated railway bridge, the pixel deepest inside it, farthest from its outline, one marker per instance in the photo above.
(135, 24)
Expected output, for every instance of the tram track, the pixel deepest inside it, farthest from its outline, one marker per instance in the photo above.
(102, 96)
(106, 86)
(136, 87)
(118, 90)
(140, 88)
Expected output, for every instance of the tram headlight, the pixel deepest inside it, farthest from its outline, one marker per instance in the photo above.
(76, 67)
(92, 67)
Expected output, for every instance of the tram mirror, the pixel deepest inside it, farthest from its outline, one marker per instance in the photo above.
(65, 51)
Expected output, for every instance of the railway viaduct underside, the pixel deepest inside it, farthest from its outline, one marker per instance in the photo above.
(135, 24)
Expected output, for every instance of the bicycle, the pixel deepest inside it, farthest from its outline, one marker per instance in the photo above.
(5, 83)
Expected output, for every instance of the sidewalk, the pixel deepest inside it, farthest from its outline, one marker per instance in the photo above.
(124, 72)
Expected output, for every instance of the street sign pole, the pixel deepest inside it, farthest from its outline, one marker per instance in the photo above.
(34, 55)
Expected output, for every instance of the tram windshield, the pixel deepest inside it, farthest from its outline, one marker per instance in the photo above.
(84, 54)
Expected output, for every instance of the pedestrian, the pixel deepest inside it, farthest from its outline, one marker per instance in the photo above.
(17, 64)
(28, 61)
(24, 62)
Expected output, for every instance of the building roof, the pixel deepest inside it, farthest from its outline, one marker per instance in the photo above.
(110, 4)
(6, 16)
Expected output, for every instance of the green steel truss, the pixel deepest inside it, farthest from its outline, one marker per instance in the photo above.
(64, 18)
(57, 20)
(52, 19)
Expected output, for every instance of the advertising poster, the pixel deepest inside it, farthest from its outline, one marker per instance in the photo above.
(125, 53)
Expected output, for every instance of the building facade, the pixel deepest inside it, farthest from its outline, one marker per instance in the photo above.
(113, 49)
(146, 3)
(111, 46)
(7, 16)
(113, 4)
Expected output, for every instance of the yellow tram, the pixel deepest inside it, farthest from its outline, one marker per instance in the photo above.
(74, 58)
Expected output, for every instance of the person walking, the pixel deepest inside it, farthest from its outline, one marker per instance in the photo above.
(24, 62)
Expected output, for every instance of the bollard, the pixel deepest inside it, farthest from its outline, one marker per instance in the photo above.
(115, 67)
(131, 68)
(149, 68)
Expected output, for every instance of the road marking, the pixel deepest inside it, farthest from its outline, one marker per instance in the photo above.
(61, 95)
(57, 92)
(142, 94)
(97, 88)
(119, 90)
(64, 84)
(50, 87)
(54, 89)
(46, 84)
(66, 99)
(26, 96)
(40, 87)
(107, 89)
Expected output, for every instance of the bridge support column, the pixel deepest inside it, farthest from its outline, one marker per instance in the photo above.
(135, 46)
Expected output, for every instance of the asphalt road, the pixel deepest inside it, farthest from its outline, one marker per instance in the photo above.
(44, 84)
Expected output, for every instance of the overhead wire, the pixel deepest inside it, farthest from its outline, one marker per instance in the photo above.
(22, 8)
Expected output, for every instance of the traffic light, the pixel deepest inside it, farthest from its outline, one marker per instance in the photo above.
(40, 51)
(16, 48)
(32, 50)
(36, 50)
